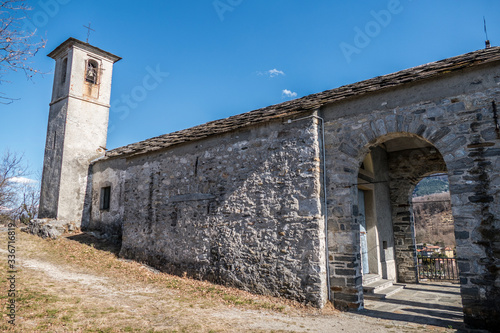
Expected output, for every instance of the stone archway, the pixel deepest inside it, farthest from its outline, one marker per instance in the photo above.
(386, 179)
(458, 118)
(409, 161)
(470, 163)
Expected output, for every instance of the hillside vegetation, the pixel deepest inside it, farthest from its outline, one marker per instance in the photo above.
(434, 220)
(431, 185)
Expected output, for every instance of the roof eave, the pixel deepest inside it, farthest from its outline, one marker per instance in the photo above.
(73, 41)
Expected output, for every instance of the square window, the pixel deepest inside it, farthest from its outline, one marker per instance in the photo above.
(105, 197)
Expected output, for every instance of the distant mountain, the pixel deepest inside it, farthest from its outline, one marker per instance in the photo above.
(431, 185)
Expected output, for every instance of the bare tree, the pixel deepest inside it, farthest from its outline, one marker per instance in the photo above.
(12, 168)
(16, 45)
(27, 206)
(19, 196)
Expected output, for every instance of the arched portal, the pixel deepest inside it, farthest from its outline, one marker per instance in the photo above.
(386, 179)
(409, 161)
(456, 134)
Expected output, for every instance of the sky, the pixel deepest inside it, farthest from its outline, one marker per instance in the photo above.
(225, 57)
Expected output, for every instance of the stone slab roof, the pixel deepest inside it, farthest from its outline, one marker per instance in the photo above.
(310, 102)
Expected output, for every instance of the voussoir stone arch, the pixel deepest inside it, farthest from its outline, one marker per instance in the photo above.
(348, 140)
(461, 130)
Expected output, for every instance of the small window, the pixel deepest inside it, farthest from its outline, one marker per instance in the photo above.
(92, 71)
(64, 69)
(105, 197)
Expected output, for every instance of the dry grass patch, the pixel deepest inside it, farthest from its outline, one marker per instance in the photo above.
(97, 257)
(82, 286)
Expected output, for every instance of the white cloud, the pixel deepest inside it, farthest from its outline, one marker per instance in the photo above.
(22, 180)
(272, 72)
(289, 93)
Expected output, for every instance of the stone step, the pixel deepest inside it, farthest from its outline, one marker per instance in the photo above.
(370, 278)
(376, 286)
(386, 292)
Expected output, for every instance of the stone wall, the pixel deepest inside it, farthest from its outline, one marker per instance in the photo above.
(52, 163)
(84, 139)
(107, 173)
(242, 209)
(382, 205)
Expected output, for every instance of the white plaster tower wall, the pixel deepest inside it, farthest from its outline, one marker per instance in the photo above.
(77, 127)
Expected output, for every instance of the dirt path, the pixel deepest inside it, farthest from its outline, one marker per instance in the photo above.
(82, 300)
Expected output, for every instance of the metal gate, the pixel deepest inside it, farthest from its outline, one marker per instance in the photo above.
(437, 269)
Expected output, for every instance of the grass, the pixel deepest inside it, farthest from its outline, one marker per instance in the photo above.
(122, 296)
(82, 286)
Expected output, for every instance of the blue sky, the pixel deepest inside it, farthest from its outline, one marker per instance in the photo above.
(227, 57)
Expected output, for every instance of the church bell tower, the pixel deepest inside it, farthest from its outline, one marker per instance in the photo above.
(77, 127)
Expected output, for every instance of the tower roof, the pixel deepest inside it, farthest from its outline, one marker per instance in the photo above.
(86, 46)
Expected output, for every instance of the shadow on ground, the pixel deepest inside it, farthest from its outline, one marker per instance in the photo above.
(436, 304)
(100, 244)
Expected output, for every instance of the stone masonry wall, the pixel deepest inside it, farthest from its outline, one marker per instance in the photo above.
(456, 113)
(52, 163)
(107, 173)
(242, 209)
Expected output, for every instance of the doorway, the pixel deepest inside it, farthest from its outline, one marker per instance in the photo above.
(434, 230)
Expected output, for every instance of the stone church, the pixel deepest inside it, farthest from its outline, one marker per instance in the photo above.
(305, 199)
